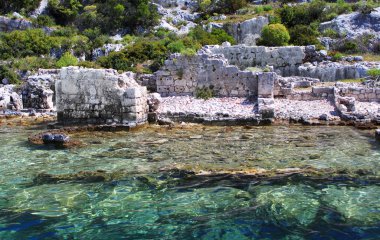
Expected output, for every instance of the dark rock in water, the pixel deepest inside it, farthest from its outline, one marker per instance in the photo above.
(51, 138)
(377, 134)
(323, 117)
(165, 121)
(152, 117)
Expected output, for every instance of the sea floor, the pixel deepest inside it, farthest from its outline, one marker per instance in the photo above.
(181, 183)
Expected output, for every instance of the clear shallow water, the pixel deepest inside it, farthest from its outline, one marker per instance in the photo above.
(146, 202)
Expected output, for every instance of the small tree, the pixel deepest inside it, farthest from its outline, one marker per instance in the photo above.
(274, 35)
(67, 60)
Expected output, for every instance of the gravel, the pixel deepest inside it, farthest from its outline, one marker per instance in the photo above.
(240, 107)
(367, 108)
(284, 109)
(233, 107)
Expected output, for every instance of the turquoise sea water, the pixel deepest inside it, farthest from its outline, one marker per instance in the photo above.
(150, 198)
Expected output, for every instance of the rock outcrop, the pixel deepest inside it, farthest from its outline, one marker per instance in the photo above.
(9, 98)
(99, 96)
(105, 50)
(177, 16)
(247, 32)
(355, 24)
(38, 92)
(10, 24)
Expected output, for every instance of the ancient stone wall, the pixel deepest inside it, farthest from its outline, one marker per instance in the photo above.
(285, 60)
(331, 72)
(185, 75)
(361, 93)
(99, 96)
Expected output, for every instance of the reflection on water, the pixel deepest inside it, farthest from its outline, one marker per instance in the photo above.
(149, 203)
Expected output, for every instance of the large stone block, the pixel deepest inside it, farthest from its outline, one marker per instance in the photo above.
(265, 84)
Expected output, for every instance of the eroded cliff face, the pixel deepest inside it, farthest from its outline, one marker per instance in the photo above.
(99, 96)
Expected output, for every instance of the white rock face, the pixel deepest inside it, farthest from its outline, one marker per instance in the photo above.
(41, 8)
(99, 96)
(249, 31)
(106, 50)
(38, 92)
(9, 98)
(9, 24)
(177, 16)
(355, 24)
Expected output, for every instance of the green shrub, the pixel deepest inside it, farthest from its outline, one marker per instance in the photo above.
(303, 35)
(267, 8)
(67, 60)
(229, 6)
(176, 47)
(32, 42)
(6, 72)
(330, 33)
(350, 47)
(115, 60)
(188, 52)
(204, 92)
(43, 21)
(64, 11)
(366, 6)
(302, 14)
(25, 6)
(274, 19)
(33, 63)
(217, 36)
(336, 56)
(274, 35)
(259, 9)
(374, 73)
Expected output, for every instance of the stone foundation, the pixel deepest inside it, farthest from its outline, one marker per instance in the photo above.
(285, 60)
(184, 75)
(99, 96)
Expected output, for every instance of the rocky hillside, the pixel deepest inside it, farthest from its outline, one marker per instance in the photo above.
(140, 35)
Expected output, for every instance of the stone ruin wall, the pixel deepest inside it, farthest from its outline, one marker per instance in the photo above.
(285, 60)
(99, 96)
(183, 75)
(361, 94)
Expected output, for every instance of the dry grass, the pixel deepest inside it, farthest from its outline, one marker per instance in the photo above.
(371, 57)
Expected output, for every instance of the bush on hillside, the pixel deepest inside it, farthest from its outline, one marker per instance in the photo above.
(303, 35)
(6, 72)
(23, 6)
(66, 60)
(274, 35)
(32, 42)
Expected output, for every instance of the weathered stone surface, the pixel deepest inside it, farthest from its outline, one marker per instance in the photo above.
(9, 98)
(265, 85)
(377, 134)
(99, 96)
(9, 24)
(38, 91)
(355, 24)
(105, 50)
(51, 138)
(154, 100)
(246, 32)
(332, 71)
(285, 60)
(185, 75)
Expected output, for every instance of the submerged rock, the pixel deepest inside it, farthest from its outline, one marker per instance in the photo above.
(50, 138)
(288, 205)
(356, 205)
